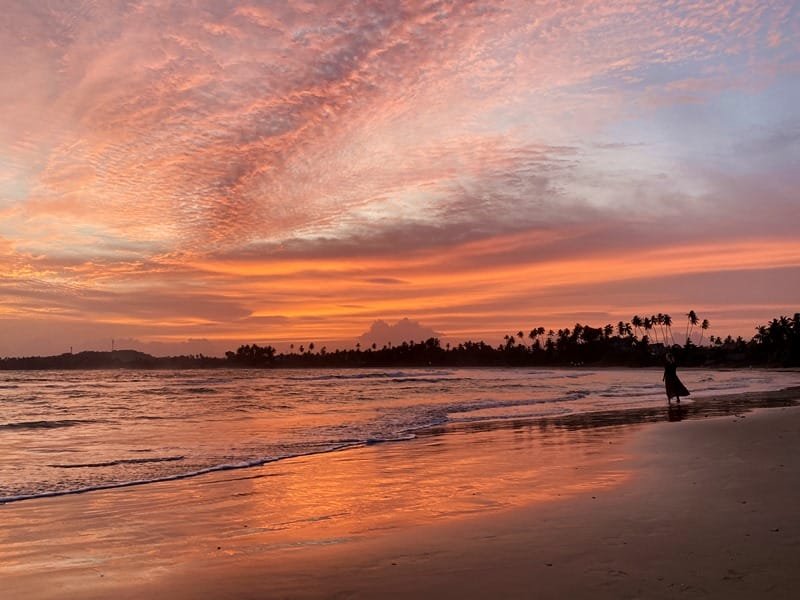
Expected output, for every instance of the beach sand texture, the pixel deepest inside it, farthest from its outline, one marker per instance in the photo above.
(700, 508)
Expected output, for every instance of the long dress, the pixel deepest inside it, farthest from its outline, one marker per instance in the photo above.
(674, 386)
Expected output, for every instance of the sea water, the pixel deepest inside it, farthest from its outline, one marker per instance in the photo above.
(70, 431)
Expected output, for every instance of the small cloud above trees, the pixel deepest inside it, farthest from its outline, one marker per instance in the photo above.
(382, 334)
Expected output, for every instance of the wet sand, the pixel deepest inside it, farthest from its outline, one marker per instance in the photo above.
(608, 506)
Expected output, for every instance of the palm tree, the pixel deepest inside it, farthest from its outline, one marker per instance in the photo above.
(637, 323)
(654, 322)
(660, 321)
(535, 333)
(563, 338)
(704, 326)
(668, 325)
(692, 321)
(647, 324)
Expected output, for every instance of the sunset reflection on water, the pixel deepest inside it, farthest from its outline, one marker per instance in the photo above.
(351, 494)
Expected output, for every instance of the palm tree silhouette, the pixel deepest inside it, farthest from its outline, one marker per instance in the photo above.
(535, 333)
(668, 325)
(654, 322)
(703, 326)
(637, 323)
(510, 340)
(692, 321)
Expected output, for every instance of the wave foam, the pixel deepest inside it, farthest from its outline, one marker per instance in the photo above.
(121, 461)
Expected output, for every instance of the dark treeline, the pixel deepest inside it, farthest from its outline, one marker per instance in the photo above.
(641, 342)
(116, 359)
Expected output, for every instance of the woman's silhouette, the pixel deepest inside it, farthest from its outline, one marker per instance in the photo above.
(671, 382)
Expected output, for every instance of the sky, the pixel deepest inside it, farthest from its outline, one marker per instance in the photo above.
(184, 177)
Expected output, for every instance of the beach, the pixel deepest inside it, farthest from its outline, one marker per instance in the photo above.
(701, 507)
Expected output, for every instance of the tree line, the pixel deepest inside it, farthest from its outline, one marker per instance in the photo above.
(642, 341)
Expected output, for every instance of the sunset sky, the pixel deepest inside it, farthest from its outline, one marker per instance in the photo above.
(188, 176)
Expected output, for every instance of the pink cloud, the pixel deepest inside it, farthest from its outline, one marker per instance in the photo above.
(381, 333)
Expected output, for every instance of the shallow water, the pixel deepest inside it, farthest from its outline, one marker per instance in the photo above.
(63, 432)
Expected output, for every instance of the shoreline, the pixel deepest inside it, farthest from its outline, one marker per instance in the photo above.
(698, 407)
(702, 407)
(563, 508)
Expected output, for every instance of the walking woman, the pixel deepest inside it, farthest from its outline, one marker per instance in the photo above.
(671, 382)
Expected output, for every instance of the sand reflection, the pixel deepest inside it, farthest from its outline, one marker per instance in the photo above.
(355, 493)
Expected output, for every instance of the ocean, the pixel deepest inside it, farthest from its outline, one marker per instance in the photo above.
(64, 432)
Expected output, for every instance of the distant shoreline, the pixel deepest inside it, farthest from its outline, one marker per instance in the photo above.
(775, 345)
(187, 363)
(354, 359)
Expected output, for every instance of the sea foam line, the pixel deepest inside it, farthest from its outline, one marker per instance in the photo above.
(205, 471)
(121, 461)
